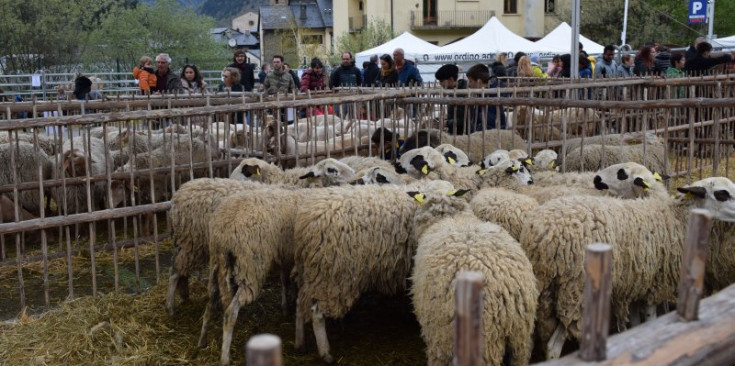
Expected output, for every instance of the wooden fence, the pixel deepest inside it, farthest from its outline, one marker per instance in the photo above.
(111, 205)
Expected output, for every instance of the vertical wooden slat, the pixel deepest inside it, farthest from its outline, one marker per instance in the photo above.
(596, 302)
(691, 282)
(264, 350)
(18, 245)
(42, 209)
(468, 341)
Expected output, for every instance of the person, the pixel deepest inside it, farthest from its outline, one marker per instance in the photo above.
(536, 67)
(502, 58)
(643, 61)
(524, 69)
(247, 72)
(585, 69)
(314, 78)
(372, 72)
(346, 74)
(512, 68)
(278, 80)
(191, 80)
(478, 77)
(166, 80)
(145, 75)
(554, 68)
(692, 50)
(676, 70)
(83, 89)
(293, 74)
(625, 69)
(263, 73)
(388, 73)
(662, 61)
(606, 66)
(408, 73)
(448, 77)
(231, 80)
(704, 61)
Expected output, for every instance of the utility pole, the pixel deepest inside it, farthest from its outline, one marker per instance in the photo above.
(574, 67)
(625, 23)
(711, 16)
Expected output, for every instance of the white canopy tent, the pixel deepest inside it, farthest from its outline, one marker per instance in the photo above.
(485, 44)
(561, 37)
(413, 48)
(727, 42)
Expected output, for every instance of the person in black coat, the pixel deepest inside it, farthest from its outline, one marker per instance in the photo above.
(703, 61)
(247, 72)
(346, 74)
(448, 77)
(371, 72)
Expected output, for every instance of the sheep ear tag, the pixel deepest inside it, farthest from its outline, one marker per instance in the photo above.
(418, 197)
(425, 169)
(481, 172)
(641, 183)
(458, 192)
(257, 172)
(552, 165)
(511, 169)
(451, 161)
(528, 161)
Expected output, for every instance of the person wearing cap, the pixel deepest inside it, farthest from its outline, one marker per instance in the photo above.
(536, 66)
(606, 66)
(448, 77)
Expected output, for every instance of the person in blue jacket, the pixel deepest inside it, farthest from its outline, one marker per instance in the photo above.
(408, 73)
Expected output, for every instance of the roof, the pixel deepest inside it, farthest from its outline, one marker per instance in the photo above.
(561, 38)
(316, 15)
(413, 47)
(223, 35)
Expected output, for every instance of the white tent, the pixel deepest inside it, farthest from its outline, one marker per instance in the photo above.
(561, 37)
(413, 48)
(727, 42)
(483, 45)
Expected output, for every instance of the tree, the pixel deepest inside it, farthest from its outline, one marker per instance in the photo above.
(375, 33)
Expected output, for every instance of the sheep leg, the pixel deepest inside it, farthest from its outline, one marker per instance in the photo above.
(228, 325)
(651, 313)
(298, 343)
(213, 291)
(284, 293)
(320, 333)
(554, 347)
(635, 316)
(173, 282)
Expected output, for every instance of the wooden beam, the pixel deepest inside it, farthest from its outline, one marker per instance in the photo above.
(691, 282)
(596, 301)
(468, 340)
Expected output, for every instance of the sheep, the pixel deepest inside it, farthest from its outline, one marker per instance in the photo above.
(504, 207)
(453, 155)
(646, 234)
(494, 158)
(450, 240)
(611, 140)
(26, 169)
(191, 208)
(475, 145)
(380, 175)
(595, 157)
(361, 162)
(329, 171)
(347, 241)
(45, 142)
(245, 243)
(544, 160)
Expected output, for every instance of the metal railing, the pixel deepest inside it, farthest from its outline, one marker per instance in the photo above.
(446, 19)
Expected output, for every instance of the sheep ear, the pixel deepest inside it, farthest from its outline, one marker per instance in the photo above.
(511, 169)
(418, 197)
(308, 175)
(380, 178)
(482, 164)
(358, 182)
(458, 192)
(641, 183)
(699, 192)
(399, 168)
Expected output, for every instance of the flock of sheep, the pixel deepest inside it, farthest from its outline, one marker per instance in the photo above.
(341, 228)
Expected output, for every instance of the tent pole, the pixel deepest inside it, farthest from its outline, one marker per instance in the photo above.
(574, 67)
(625, 23)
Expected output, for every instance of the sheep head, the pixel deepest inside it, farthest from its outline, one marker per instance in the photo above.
(627, 180)
(716, 194)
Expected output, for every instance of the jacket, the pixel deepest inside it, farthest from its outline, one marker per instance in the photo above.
(673, 72)
(191, 87)
(700, 64)
(661, 62)
(278, 81)
(624, 71)
(640, 68)
(605, 70)
(372, 73)
(311, 81)
(146, 78)
(344, 76)
(390, 80)
(409, 74)
(247, 75)
(169, 82)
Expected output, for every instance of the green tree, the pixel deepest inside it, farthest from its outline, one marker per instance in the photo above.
(375, 33)
(164, 27)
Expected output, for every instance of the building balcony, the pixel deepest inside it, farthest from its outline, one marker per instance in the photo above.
(357, 24)
(450, 19)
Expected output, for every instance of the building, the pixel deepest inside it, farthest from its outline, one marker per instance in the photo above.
(246, 23)
(296, 29)
(237, 39)
(444, 21)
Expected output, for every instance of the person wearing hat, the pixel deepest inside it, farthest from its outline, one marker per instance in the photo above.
(448, 77)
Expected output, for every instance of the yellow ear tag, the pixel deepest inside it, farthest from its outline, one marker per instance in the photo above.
(452, 192)
(451, 161)
(515, 168)
(647, 185)
(529, 161)
(257, 172)
(481, 172)
(425, 169)
(657, 177)
(552, 164)
(419, 198)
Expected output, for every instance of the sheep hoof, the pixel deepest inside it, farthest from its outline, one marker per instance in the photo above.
(556, 343)
(328, 359)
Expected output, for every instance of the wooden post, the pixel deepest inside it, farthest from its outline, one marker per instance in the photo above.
(263, 350)
(596, 303)
(691, 282)
(468, 343)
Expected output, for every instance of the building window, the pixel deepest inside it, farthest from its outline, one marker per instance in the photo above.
(360, 5)
(549, 6)
(251, 23)
(510, 6)
(312, 39)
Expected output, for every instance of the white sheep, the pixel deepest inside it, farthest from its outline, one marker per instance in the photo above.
(452, 240)
(495, 157)
(453, 155)
(476, 145)
(328, 171)
(380, 175)
(27, 161)
(646, 234)
(358, 163)
(595, 157)
(45, 142)
(347, 241)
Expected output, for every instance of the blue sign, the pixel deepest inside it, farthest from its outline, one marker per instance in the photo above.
(697, 11)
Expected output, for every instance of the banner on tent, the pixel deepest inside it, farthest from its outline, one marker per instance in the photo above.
(472, 57)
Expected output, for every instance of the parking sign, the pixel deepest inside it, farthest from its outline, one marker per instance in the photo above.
(697, 11)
